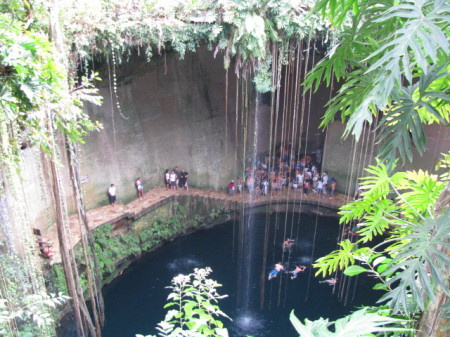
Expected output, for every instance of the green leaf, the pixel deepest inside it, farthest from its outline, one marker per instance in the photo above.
(359, 323)
(426, 249)
(338, 259)
(354, 270)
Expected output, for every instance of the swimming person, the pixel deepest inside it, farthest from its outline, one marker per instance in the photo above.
(276, 269)
(298, 269)
(288, 243)
(331, 281)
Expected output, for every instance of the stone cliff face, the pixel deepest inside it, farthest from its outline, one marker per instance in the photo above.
(176, 113)
(172, 115)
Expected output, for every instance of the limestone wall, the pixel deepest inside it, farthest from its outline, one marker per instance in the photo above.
(175, 113)
(172, 115)
(345, 159)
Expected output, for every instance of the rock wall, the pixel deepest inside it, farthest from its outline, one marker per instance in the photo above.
(172, 114)
(181, 113)
(345, 159)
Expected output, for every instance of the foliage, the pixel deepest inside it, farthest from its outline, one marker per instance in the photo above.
(111, 249)
(360, 323)
(418, 267)
(444, 166)
(57, 280)
(193, 307)
(413, 263)
(20, 305)
(34, 90)
(31, 313)
(392, 59)
(338, 259)
(243, 28)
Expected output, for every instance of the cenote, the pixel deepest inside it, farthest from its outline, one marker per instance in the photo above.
(241, 254)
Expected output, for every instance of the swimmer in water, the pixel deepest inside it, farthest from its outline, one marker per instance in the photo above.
(288, 243)
(276, 269)
(331, 281)
(298, 269)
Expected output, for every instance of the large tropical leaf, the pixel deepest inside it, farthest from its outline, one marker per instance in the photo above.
(340, 259)
(417, 266)
(360, 323)
(417, 42)
(336, 10)
(377, 220)
(422, 190)
(402, 126)
(400, 48)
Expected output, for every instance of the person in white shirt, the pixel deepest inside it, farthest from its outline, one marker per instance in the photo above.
(325, 182)
(299, 178)
(173, 180)
(112, 194)
(320, 188)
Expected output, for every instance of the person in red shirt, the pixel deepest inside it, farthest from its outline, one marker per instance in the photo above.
(230, 188)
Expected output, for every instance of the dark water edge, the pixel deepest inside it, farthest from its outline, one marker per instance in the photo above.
(235, 251)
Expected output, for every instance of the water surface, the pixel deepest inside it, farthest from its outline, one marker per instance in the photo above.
(241, 255)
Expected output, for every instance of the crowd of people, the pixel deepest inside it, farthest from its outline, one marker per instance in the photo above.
(302, 174)
(176, 179)
(173, 179)
(268, 177)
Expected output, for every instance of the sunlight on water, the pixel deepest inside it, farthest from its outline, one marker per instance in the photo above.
(184, 265)
(303, 245)
(249, 323)
(304, 260)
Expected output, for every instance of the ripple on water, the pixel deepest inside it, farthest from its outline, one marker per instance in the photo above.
(247, 323)
(304, 260)
(184, 265)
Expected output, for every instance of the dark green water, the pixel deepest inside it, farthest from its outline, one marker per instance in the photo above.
(241, 256)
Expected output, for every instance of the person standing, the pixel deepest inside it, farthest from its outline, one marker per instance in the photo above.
(167, 179)
(112, 194)
(265, 187)
(333, 184)
(305, 187)
(230, 188)
(184, 179)
(320, 188)
(139, 187)
(239, 185)
(325, 182)
(173, 180)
